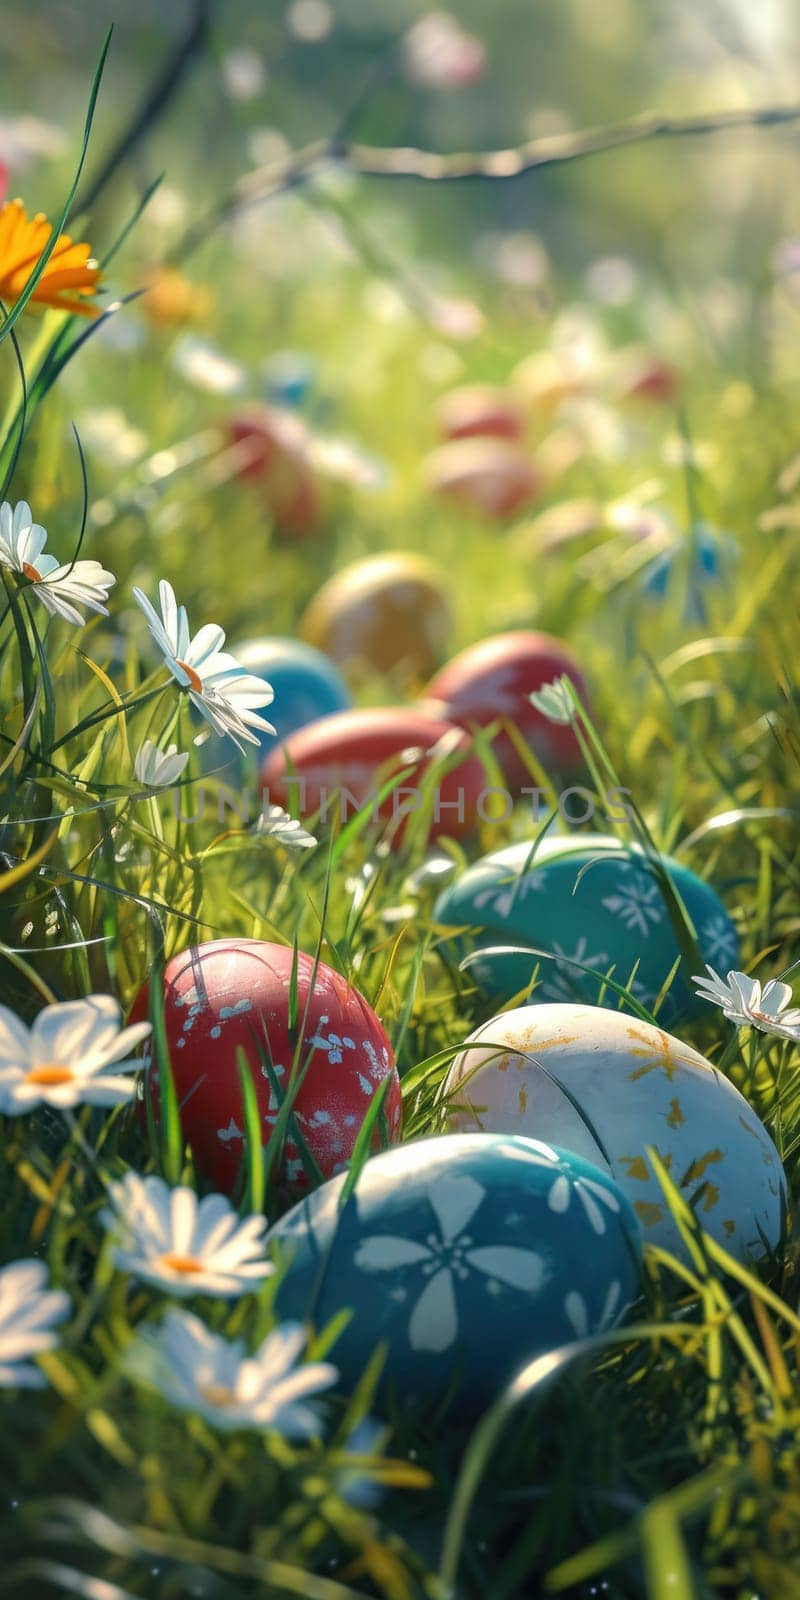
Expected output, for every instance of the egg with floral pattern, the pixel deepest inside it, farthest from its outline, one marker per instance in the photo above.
(584, 901)
(466, 1255)
(609, 1086)
(306, 1033)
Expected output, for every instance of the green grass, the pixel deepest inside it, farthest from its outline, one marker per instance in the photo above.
(662, 1464)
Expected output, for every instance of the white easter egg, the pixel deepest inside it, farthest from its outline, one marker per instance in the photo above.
(606, 1086)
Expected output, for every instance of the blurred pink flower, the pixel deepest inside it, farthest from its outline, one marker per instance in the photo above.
(440, 54)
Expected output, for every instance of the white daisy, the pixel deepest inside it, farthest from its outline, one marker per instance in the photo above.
(156, 768)
(287, 830)
(184, 1246)
(217, 684)
(29, 1313)
(22, 543)
(555, 700)
(61, 1060)
(215, 1378)
(742, 1000)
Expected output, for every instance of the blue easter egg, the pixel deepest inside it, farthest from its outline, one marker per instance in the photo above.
(307, 684)
(289, 377)
(467, 1256)
(588, 901)
(708, 562)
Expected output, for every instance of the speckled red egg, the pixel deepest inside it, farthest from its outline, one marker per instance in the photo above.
(494, 477)
(493, 680)
(237, 994)
(356, 751)
(480, 410)
(275, 457)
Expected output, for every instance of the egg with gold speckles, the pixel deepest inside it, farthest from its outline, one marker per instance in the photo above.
(580, 907)
(307, 1034)
(608, 1086)
(387, 613)
(466, 1256)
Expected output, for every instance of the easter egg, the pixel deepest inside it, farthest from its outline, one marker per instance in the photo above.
(171, 300)
(289, 376)
(466, 1255)
(274, 448)
(547, 378)
(586, 898)
(386, 612)
(695, 564)
(307, 684)
(479, 409)
(643, 375)
(608, 1086)
(337, 766)
(560, 525)
(311, 1028)
(493, 477)
(493, 680)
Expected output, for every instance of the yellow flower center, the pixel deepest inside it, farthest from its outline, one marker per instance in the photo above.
(49, 1076)
(195, 681)
(217, 1394)
(30, 572)
(183, 1264)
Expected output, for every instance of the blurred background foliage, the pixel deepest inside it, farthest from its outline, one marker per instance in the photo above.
(272, 73)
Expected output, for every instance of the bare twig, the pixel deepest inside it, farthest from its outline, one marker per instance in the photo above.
(375, 161)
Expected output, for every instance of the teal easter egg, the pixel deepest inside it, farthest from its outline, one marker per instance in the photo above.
(307, 686)
(588, 901)
(289, 377)
(704, 560)
(608, 1087)
(466, 1256)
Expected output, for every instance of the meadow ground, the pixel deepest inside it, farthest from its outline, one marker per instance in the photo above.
(666, 1463)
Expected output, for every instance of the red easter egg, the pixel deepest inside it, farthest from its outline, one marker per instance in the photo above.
(482, 410)
(356, 751)
(646, 376)
(235, 994)
(275, 456)
(491, 476)
(493, 679)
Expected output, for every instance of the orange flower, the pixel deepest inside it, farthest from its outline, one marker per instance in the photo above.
(172, 301)
(70, 267)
